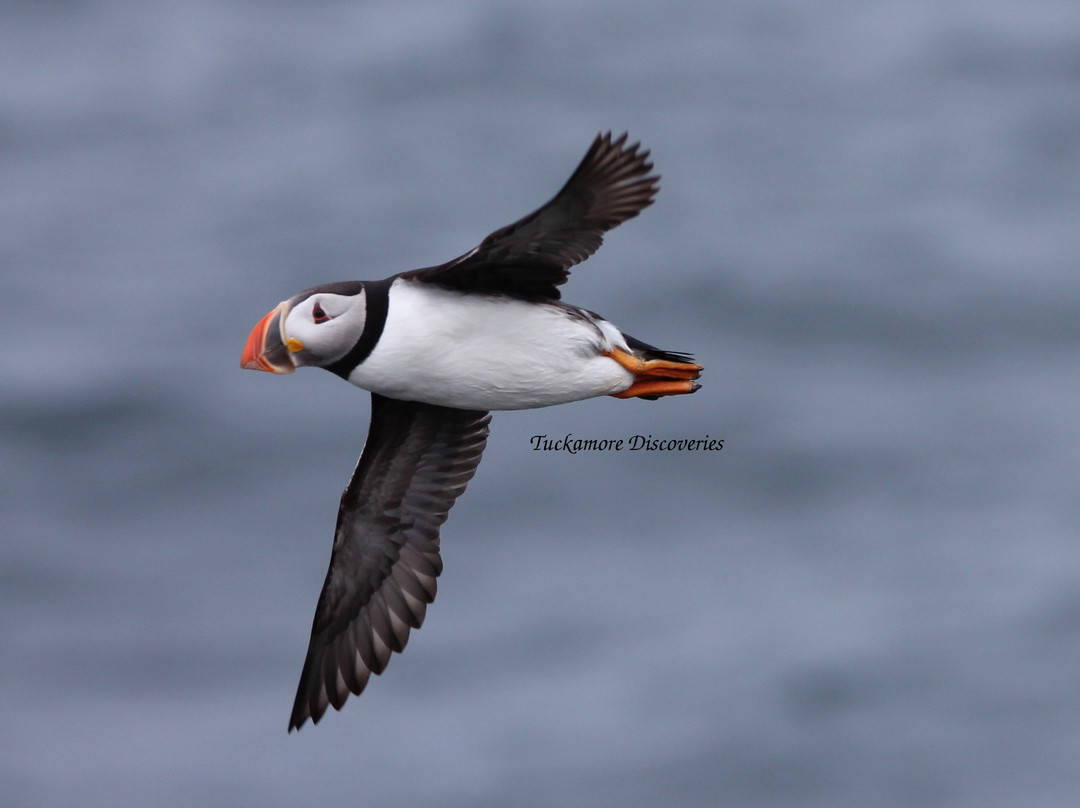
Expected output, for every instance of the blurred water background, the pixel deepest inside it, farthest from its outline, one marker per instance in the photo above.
(868, 231)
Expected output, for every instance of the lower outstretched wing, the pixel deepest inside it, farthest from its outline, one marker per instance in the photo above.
(417, 461)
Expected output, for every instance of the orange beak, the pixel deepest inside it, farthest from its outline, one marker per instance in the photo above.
(265, 348)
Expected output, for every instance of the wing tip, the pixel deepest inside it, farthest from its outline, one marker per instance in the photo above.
(299, 716)
(619, 176)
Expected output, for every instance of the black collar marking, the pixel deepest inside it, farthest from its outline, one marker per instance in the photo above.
(377, 301)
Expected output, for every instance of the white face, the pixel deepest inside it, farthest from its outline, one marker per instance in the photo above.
(327, 326)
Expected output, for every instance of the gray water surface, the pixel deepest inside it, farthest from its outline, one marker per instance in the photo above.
(867, 232)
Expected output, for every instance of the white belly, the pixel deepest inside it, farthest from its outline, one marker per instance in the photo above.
(481, 353)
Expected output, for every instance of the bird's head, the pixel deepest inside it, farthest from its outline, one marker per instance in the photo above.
(317, 327)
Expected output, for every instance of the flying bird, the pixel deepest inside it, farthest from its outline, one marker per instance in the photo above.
(438, 349)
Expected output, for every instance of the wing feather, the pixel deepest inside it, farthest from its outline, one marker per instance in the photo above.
(417, 461)
(532, 257)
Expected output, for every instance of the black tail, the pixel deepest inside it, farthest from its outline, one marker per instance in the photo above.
(650, 352)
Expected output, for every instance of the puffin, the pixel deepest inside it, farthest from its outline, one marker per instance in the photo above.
(438, 349)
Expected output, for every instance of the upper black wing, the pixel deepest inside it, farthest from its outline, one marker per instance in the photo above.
(417, 461)
(532, 257)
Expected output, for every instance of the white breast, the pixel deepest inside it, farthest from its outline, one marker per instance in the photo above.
(489, 353)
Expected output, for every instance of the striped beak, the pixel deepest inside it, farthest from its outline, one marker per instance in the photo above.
(265, 348)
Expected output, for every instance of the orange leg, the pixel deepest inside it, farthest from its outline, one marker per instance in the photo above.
(656, 377)
(654, 388)
(655, 368)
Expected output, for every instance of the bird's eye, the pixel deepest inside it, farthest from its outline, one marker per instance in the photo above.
(318, 315)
